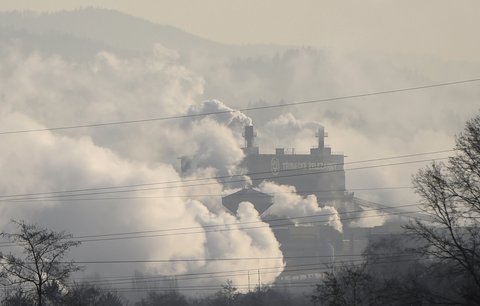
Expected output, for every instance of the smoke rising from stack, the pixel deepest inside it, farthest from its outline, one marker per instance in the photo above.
(288, 204)
(43, 92)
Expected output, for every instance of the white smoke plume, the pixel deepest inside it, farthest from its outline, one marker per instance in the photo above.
(39, 92)
(370, 218)
(288, 204)
(212, 150)
(228, 116)
(287, 131)
(364, 127)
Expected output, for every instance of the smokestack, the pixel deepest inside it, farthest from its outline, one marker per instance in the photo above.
(321, 137)
(249, 136)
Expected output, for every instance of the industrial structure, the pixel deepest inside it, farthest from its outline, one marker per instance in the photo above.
(320, 173)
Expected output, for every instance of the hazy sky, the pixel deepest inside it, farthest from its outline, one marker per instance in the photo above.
(441, 28)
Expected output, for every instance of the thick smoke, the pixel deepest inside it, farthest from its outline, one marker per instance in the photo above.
(370, 218)
(114, 89)
(288, 131)
(222, 153)
(40, 92)
(288, 204)
(226, 115)
(364, 127)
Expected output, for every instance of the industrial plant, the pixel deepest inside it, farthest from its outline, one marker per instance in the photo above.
(320, 173)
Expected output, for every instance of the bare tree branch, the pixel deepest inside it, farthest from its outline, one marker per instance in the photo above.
(41, 262)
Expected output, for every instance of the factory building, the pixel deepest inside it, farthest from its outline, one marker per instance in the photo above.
(320, 173)
(261, 201)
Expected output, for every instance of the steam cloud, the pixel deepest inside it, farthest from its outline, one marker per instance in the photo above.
(286, 203)
(39, 92)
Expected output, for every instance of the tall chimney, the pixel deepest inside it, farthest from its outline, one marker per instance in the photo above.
(321, 137)
(249, 136)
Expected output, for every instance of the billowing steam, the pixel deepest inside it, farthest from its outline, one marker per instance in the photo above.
(291, 131)
(42, 92)
(288, 204)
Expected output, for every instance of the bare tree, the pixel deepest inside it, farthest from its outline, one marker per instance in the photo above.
(164, 298)
(88, 294)
(41, 262)
(450, 195)
(348, 285)
(228, 296)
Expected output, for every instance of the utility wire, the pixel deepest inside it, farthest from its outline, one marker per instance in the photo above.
(81, 192)
(273, 226)
(205, 260)
(249, 222)
(379, 259)
(223, 273)
(318, 267)
(172, 231)
(214, 183)
(229, 227)
(207, 274)
(303, 192)
(362, 95)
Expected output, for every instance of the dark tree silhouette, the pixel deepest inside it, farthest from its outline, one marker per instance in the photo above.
(167, 299)
(88, 294)
(450, 195)
(19, 298)
(41, 262)
(348, 285)
(228, 296)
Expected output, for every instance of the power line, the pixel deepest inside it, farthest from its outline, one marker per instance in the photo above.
(372, 258)
(129, 261)
(232, 181)
(228, 227)
(202, 274)
(303, 192)
(250, 222)
(284, 268)
(318, 267)
(272, 226)
(370, 94)
(223, 227)
(79, 192)
(221, 177)
(221, 273)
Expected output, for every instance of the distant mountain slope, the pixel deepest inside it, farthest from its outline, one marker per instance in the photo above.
(121, 31)
(68, 46)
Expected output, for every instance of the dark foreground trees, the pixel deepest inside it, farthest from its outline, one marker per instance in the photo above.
(41, 263)
(437, 260)
(168, 299)
(348, 285)
(86, 295)
(450, 195)
(390, 274)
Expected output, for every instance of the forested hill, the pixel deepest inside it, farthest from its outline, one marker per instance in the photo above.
(117, 31)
